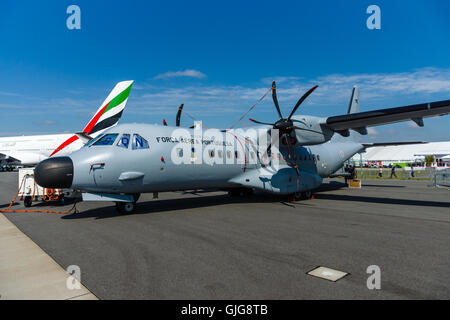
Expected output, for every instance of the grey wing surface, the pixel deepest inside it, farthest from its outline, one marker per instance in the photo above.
(385, 116)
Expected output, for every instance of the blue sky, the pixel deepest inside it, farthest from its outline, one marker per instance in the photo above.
(218, 58)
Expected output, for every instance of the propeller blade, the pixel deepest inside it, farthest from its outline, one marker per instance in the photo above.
(180, 108)
(289, 145)
(259, 122)
(275, 100)
(300, 101)
(291, 153)
(164, 122)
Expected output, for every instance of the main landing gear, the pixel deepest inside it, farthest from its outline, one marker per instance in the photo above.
(127, 207)
(240, 192)
(298, 196)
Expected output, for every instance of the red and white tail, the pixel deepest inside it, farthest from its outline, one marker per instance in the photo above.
(111, 109)
(106, 116)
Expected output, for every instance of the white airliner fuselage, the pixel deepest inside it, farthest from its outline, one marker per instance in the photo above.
(29, 150)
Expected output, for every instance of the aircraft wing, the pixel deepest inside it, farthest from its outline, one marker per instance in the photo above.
(384, 116)
(8, 158)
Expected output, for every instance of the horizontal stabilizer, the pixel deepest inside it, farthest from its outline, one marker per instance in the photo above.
(85, 138)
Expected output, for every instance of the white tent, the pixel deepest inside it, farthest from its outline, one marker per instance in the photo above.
(406, 153)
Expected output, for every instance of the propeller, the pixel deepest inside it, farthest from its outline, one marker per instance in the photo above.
(178, 118)
(180, 109)
(286, 125)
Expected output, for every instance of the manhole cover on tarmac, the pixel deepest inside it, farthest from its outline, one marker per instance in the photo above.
(327, 273)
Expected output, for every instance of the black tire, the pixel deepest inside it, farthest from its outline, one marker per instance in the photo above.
(234, 192)
(306, 195)
(125, 207)
(27, 201)
(62, 200)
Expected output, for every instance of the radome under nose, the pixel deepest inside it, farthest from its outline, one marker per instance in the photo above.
(54, 173)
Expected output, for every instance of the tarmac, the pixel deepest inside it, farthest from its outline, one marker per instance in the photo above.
(206, 245)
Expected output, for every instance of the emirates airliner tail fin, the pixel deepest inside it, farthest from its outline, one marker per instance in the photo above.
(111, 109)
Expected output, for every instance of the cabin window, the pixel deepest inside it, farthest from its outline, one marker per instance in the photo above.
(211, 153)
(139, 142)
(220, 154)
(180, 152)
(229, 154)
(106, 140)
(236, 154)
(124, 141)
(252, 155)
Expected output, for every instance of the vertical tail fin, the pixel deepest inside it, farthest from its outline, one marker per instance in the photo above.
(353, 106)
(111, 109)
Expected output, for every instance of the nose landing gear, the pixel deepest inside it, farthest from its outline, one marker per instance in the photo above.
(127, 207)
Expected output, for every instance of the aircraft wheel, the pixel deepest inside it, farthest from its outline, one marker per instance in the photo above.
(27, 201)
(62, 199)
(307, 195)
(125, 207)
(298, 196)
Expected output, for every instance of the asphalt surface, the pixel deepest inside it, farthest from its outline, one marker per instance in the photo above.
(206, 245)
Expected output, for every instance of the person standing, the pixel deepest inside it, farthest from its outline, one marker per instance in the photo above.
(393, 171)
(346, 173)
(380, 172)
(412, 172)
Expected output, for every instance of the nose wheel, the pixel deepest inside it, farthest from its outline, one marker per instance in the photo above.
(125, 207)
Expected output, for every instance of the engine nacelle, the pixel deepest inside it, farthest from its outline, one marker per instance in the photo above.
(312, 130)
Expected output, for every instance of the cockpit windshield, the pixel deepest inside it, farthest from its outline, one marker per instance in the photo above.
(93, 140)
(139, 142)
(124, 141)
(106, 140)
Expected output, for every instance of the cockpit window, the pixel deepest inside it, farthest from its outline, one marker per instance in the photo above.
(93, 140)
(124, 141)
(139, 142)
(106, 140)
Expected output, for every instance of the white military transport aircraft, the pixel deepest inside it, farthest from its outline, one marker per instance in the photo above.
(289, 157)
(29, 150)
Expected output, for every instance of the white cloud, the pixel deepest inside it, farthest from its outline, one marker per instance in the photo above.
(186, 73)
(378, 90)
(10, 94)
(227, 103)
(44, 122)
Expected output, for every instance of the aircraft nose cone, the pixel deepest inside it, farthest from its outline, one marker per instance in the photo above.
(54, 173)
